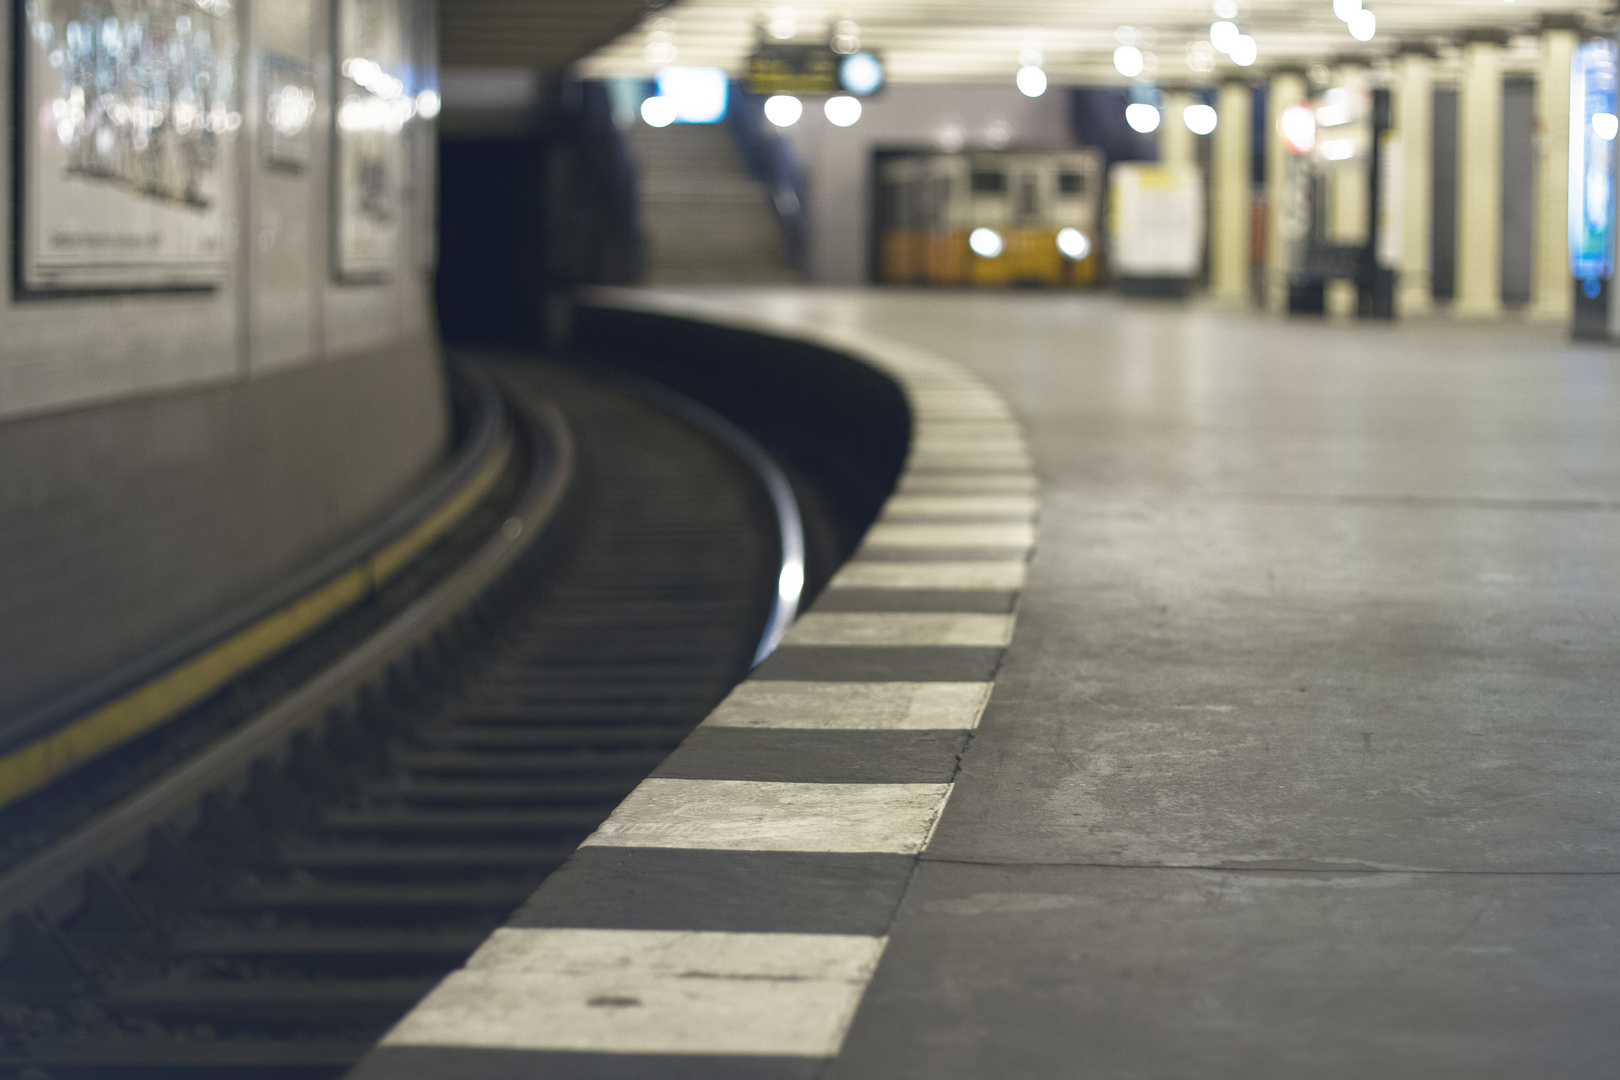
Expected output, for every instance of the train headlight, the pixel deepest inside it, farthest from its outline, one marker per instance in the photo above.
(1073, 243)
(986, 243)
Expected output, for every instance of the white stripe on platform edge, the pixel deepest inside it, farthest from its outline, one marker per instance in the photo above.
(901, 629)
(749, 815)
(998, 576)
(649, 992)
(1012, 534)
(853, 706)
(926, 481)
(906, 505)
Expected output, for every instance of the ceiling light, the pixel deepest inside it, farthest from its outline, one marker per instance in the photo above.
(1297, 126)
(783, 110)
(1363, 25)
(842, 110)
(1605, 125)
(1346, 9)
(861, 74)
(1200, 119)
(784, 23)
(1226, 9)
(1128, 61)
(1142, 117)
(1244, 51)
(1125, 35)
(1201, 56)
(1222, 34)
(658, 111)
(1031, 81)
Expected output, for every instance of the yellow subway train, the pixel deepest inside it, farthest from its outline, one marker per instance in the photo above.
(989, 217)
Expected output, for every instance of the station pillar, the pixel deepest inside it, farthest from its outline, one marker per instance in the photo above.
(1287, 88)
(1348, 189)
(1234, 170)
(1413, 106)
(1176, 140)
(1479, 182)
(1552, 288)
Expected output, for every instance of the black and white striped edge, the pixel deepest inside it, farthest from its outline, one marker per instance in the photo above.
(726, 920)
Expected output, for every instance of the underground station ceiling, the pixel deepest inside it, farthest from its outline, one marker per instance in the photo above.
(951, 41)
(542, 34)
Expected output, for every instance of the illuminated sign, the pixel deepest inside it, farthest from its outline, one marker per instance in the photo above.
(779, 68)
(698, 94)
(1593, 126)
(793, 69)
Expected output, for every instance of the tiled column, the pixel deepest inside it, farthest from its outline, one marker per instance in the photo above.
(1176, 141)
(1287, 88)
(1413, 102)
(1552, 295)
(1229, 253)
(1479, 182)
(1348, 190)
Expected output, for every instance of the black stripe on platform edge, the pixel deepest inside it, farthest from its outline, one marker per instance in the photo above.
(739, 892)
(794, 756)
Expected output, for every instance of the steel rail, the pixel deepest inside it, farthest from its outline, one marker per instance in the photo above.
(52, 882)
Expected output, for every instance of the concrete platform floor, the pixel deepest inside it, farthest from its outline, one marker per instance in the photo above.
(1305, 761)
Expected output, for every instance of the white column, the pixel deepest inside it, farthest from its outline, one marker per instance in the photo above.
(1348, 188)
(1176, 145)
(1552, 295)
(1229, 254)
(1413, 105)
(1287, 88)
(1479, 182)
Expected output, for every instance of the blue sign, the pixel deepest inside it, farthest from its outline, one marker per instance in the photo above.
(1594, 123)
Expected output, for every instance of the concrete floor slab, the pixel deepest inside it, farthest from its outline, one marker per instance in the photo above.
(1305, 758)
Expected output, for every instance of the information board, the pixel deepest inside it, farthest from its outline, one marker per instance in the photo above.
(127, 112)
(793, 69)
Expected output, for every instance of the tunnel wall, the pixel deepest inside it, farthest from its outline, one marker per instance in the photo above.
(166, 452)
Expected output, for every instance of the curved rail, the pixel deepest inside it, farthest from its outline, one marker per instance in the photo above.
(789, 522)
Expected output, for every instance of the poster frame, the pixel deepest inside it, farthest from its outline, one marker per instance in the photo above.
(17, 155)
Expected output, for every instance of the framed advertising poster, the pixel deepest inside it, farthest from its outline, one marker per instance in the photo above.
(368, 153)
(1593, 123)
(124, 115)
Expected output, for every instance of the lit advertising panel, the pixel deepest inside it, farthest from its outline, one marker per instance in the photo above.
(1593, 124)
(126, 110)
(369, 151)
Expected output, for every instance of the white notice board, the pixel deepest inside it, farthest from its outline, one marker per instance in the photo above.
(1156, 220)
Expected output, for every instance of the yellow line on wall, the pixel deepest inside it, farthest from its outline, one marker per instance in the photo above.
(157, 701)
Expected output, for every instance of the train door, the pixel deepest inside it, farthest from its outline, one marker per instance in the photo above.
(1075, 214)
(900, 237)
(948, 179)
(1031, 238)
(988, 219)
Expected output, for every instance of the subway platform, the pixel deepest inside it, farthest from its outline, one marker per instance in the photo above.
(1300, 759)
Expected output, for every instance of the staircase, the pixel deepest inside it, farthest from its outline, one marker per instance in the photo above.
(707, 220)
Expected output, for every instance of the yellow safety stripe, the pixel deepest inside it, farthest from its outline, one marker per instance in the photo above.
(151, 704)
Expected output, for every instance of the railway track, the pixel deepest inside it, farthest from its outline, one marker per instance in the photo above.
(306, 909)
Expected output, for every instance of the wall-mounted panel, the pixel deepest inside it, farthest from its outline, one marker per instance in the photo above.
(284, 184)
(125, 115)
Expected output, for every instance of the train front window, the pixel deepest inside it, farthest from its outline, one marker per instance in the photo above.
(1071, 183)
(989, 182)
